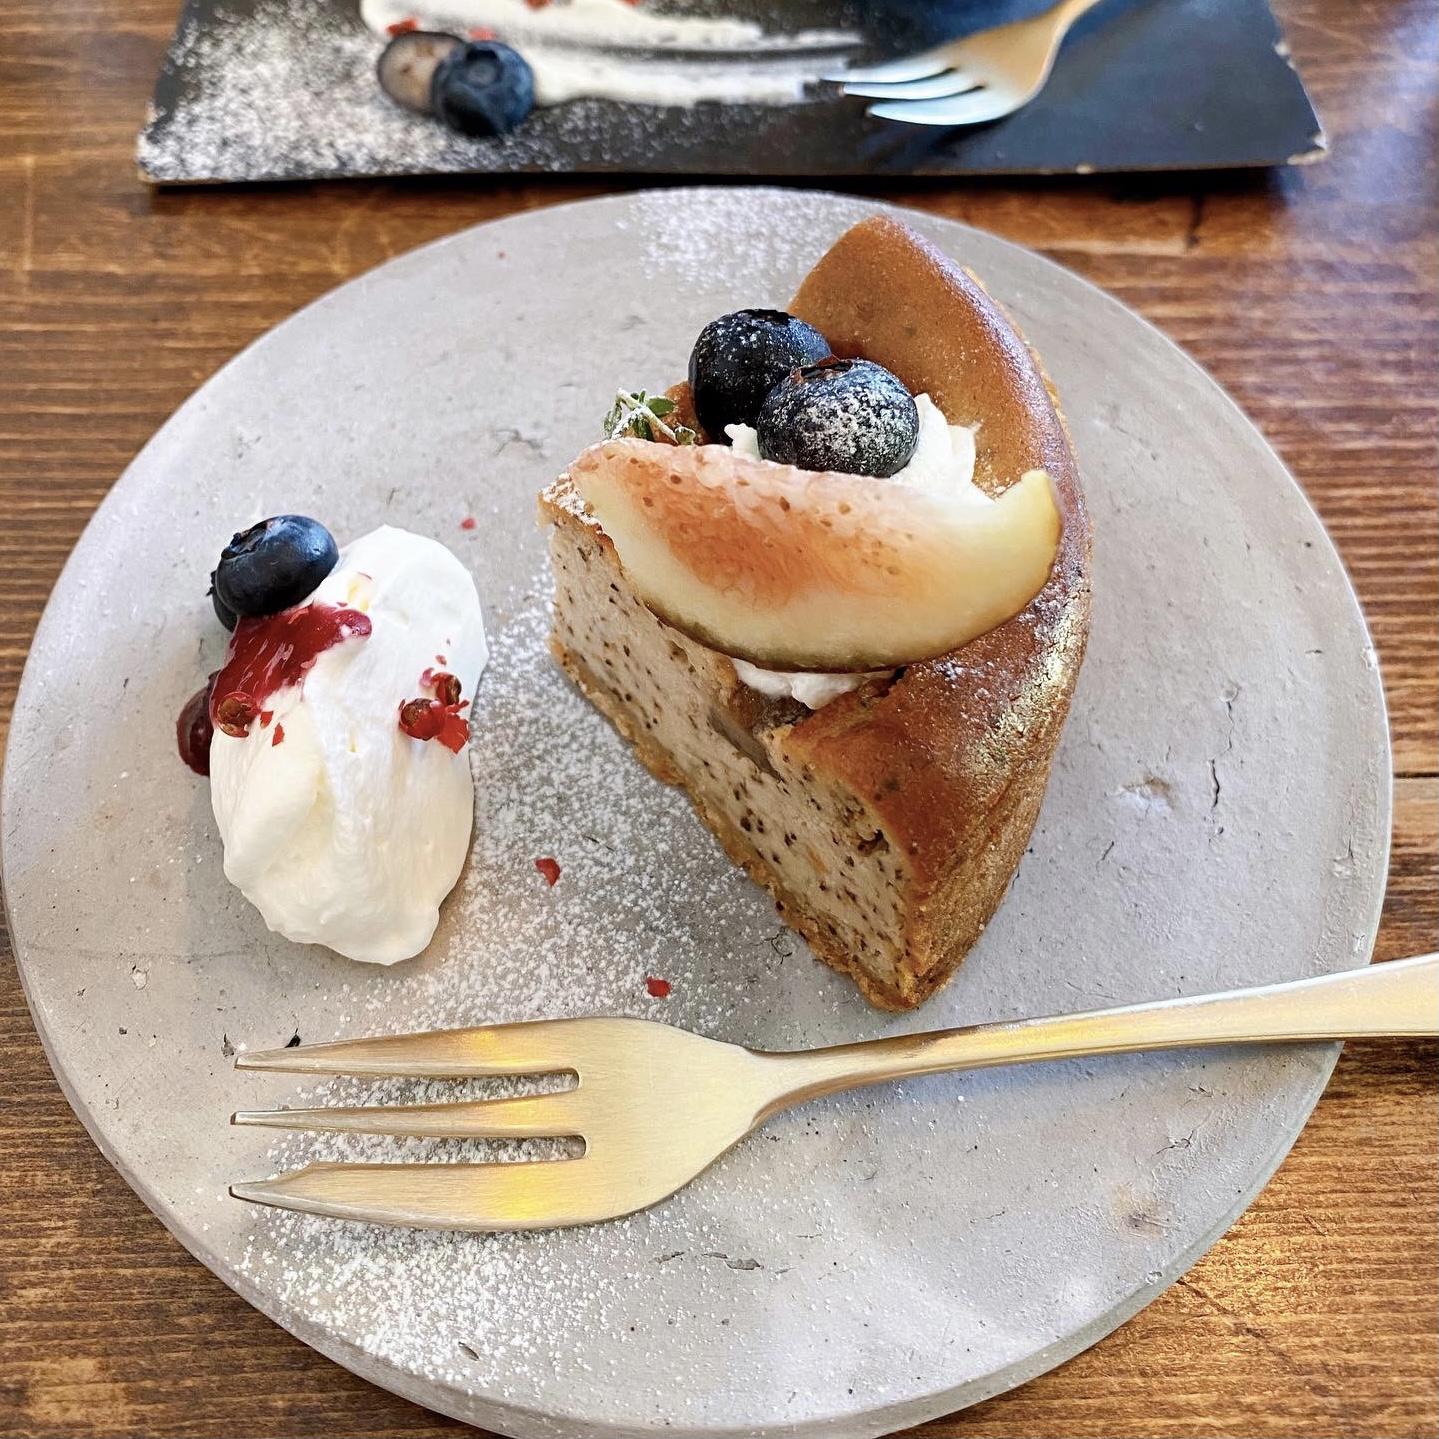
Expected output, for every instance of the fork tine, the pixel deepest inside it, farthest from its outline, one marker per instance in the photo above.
(971, 109)
(910, 67)
(933, 87)
(523, 1116)
(542, 1047)
(481, 1197)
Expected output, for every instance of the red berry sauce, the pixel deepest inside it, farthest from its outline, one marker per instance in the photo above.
(272, 652)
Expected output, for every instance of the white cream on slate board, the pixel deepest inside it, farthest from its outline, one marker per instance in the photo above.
(587, 48)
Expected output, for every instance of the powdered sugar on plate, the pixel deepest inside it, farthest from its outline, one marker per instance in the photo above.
(643, 892)
(867, 1261)
(687, 235)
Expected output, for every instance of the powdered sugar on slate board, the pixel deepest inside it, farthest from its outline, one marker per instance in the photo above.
(288, 88)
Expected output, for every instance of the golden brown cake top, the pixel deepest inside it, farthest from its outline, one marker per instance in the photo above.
(941, 744)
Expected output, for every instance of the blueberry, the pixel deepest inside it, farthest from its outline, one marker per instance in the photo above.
(223, 612)
(273, 565)
(483, 88)
(407, 65)
(739, 357)
(852, 416)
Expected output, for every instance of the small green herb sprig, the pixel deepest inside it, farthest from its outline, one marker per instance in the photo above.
(638, 416)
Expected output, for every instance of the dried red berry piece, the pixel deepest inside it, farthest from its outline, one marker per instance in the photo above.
(279, 736)
(469, 522)
(440, 718)
(658, 988)
(446, 687)
(455, 733)
(549, 867)
(235, 713)
(422, 718)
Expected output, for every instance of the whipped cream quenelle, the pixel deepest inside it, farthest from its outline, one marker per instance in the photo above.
(943, 460)
(339, 827)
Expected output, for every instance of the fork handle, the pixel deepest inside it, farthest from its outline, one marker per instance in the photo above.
(1395, 999)
(1068, 11)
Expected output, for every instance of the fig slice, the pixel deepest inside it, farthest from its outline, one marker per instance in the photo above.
(797, 570)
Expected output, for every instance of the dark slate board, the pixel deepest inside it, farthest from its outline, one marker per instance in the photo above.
(284, 89)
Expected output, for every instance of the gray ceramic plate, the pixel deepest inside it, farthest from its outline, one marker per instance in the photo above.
(1218, 816)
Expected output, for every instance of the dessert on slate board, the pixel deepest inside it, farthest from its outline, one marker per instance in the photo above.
(836, 586)
(481, 66)
(336, 734)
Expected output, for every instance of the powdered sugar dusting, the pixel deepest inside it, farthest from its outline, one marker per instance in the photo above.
(643, 893)
(689, 235)
(564, 496)
(957, 1236)
(289, 89)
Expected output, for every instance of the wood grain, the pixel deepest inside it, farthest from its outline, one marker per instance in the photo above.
(1311, 294)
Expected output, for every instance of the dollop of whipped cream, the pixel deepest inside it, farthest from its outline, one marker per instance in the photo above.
(345, 831)
(943, 461)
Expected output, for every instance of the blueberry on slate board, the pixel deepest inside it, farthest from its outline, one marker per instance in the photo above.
(483, 88)
(852, 416)
(737, 359)
(407, 66)
(273, 565)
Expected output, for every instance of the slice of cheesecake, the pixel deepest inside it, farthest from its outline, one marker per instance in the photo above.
(888, 822)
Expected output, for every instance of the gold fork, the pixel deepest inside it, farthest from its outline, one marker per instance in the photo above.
(977, 78)
(656, 1105)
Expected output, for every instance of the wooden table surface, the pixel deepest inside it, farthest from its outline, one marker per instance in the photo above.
(1309, 293)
